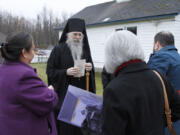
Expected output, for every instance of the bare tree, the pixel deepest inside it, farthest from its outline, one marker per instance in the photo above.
(42, 28)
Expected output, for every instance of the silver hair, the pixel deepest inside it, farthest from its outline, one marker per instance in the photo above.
(76, 48)
(121, 46)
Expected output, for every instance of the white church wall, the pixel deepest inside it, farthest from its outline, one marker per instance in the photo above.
(98, 36)
(146, 31)
(177, 32)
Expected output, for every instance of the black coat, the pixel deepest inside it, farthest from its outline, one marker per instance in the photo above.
(59, 61)
(134, 104)
(106, 77)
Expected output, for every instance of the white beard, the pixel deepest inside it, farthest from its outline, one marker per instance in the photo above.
(76, 48)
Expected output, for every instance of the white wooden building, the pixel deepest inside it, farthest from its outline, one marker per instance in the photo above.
(143, 17)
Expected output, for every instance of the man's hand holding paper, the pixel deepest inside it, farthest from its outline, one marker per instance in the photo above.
(73, 71)
(80, 64)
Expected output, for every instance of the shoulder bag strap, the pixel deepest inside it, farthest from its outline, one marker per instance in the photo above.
(167, 109)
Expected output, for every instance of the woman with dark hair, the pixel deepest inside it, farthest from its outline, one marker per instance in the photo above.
(26, 103)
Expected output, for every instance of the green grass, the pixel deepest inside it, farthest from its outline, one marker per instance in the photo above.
(41, 70)
(99, 88)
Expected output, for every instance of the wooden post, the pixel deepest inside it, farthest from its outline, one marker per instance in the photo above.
(87, 80)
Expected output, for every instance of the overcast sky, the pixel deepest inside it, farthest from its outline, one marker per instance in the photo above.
(30, 8)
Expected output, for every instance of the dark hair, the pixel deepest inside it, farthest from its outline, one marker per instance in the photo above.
(164, 38)
(15, 43)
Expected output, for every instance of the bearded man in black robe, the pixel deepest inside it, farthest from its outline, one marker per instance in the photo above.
(73, 45)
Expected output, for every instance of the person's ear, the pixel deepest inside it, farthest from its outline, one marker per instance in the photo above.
(24, 53)
(157, 46)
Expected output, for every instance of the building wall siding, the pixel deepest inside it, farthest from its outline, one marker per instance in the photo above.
(146, 31)
(177, 32)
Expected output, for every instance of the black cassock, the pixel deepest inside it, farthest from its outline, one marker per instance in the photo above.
(59, 61)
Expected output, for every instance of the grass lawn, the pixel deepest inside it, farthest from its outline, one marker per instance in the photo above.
(41, 70)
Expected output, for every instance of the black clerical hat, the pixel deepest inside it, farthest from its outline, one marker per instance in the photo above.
(73, 25)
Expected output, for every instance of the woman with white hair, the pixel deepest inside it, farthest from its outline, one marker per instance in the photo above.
(133, 101)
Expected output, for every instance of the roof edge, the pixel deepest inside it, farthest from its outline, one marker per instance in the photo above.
(127, 20)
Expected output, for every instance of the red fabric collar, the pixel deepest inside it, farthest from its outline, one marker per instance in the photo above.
(124, 65)
(179, 92)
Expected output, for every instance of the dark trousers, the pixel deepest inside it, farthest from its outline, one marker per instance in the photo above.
(66, 129)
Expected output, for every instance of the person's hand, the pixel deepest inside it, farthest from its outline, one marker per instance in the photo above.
(72, 71)
(51, 87)
(88, 66)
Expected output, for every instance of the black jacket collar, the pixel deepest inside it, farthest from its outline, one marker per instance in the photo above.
(134, 67)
